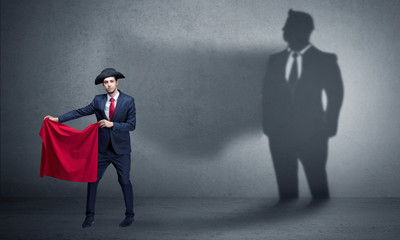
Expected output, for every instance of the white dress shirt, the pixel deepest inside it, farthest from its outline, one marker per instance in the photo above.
(290, 60)
(108, 103)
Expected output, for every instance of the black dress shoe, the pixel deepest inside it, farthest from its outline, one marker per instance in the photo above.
(88, 222)
(127, 221)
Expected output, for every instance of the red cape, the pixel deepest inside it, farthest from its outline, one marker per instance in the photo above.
(67, 153)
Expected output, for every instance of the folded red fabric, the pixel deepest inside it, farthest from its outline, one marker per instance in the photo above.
(67, 153)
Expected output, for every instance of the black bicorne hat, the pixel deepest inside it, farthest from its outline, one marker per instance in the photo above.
(108, 72)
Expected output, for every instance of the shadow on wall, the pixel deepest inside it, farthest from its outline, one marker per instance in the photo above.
(294, 118)
(191, 100)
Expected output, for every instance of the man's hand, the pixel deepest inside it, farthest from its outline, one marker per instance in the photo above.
(55, 119)
(105, 123)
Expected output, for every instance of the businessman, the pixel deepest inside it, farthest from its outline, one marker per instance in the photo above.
(295, 119)
(116, 115)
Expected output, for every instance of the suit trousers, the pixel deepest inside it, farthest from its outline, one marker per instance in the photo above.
(122, 163)
(312, 151)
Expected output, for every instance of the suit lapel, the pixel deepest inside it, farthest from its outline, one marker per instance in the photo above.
(120, 102)
(103, 105)
(282, 60)
(307, 63)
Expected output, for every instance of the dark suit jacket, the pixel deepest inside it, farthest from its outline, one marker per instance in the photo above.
(124, 120)
(300, 110)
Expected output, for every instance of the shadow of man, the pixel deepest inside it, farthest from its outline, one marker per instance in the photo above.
(294, 118)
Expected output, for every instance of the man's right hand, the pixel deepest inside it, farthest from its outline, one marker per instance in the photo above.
(55, 119)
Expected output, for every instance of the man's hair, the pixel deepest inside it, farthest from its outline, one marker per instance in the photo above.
(299, 20)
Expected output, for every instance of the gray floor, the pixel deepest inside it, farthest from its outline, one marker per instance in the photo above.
(203, 218)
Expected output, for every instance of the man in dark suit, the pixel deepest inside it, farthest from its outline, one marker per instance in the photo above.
(294, 118)
(116, 115)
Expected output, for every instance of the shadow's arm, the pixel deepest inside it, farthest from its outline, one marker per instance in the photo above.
(335, 92)
(266, 98)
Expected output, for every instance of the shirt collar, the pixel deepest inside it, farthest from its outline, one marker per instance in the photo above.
(302, 50)
(115, 97)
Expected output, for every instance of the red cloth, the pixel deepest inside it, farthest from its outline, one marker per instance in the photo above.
(67, 153)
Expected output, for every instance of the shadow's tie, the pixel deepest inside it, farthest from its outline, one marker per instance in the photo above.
(293, 77)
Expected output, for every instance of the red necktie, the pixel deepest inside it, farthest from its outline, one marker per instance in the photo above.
(112, 108)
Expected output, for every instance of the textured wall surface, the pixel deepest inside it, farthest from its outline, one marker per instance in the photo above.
(195, 69)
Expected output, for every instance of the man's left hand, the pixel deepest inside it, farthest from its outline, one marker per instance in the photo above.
(105, 123)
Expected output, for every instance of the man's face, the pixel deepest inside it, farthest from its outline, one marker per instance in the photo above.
(110, 84)
(296, 35)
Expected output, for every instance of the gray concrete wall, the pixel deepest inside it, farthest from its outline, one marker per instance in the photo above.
(195, 69)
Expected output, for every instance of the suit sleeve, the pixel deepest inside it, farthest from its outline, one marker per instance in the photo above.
(266, 97)
(334, 91)
(85, 111)
(130, 123)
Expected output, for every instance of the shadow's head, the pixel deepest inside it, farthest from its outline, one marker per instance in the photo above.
(297, 29)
